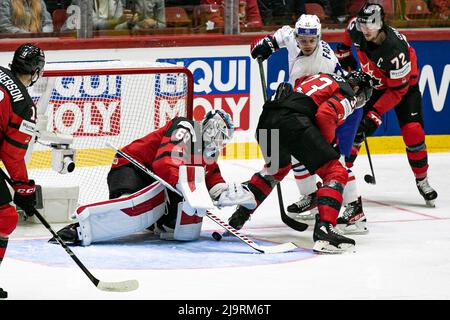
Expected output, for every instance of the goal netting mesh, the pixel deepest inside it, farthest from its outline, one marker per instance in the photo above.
(115, 102)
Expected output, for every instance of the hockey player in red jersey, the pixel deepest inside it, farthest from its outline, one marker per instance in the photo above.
(180, 142)
(385, 54)
(17, 123)
(302, 124)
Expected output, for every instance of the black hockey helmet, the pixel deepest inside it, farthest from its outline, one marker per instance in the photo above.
(371, 14)
(27, 60)
(364, 84)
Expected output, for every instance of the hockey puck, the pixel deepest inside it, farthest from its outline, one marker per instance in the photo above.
(3, 294)
(369, 179)
(217, 236)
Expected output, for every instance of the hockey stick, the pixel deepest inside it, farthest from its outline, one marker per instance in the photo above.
(264, 249)
(292, 223)
(122, 286)
(369, 178)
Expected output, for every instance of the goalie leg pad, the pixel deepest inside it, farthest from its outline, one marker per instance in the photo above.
(116, 218)
(187, 227)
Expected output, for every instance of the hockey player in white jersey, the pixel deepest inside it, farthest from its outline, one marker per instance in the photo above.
(308, 54)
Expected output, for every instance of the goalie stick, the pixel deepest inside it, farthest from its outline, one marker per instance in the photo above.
(292, 223)
(121, 286)
(288, 246)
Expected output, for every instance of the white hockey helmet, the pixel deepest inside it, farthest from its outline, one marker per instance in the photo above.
(308, 25)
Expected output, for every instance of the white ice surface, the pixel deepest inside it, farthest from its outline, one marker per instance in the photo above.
(406, 254)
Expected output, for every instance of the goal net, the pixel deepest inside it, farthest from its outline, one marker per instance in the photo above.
(115, 102)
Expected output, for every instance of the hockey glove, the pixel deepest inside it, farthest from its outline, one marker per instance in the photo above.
(25, 196)
(264, 47)
(345, 57)
(349, 160)
(283, 90)
(370, 123)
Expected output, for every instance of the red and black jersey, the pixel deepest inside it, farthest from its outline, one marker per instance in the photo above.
(17, 124)
(166, 149)
(393, 64)
(327, 99)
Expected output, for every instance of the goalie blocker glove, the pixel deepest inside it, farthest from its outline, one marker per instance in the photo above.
(264, 47)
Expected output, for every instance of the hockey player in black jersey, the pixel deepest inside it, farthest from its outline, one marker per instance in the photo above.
(385, 54)
(302, 124)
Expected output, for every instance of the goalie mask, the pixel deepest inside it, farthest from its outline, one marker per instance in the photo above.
(362, 85)
(217, 130)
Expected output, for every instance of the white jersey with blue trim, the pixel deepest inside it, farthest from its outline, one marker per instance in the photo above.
(322, 59)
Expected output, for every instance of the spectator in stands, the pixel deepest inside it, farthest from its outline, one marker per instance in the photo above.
(24, 16)
(248, 14)
(338, 10)
(441, 7)
(147, 14)
(109, 14)
(52, 5)
(281, 12)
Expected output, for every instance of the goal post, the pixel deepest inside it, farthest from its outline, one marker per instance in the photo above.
(99, 102)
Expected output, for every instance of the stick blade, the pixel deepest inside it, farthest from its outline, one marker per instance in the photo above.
(292, 223)
(281, 248)
(123, 286)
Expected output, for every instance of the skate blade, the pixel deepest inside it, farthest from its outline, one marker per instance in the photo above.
(352, 229)
(327, 248)
(430, 203)
(307, 216)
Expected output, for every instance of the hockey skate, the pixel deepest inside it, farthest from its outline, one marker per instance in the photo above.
(69, 234)
(328, 240)
(164, 227)
(353, 220)
(305, 208)
(239, 217)
(427, 192)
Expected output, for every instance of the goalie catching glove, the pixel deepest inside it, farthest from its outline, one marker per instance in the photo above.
(230, 194)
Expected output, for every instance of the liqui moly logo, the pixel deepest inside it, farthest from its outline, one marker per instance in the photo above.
(86, 106)
(220, 83)
(170, 97)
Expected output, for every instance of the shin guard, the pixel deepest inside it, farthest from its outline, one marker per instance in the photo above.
(416, 151)
(306, 183)
(329, 196)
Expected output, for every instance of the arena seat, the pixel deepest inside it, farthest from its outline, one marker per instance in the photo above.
(317, 9)
(59, 16)
(177, 17)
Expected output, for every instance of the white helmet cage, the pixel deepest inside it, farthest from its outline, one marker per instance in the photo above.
(217, 130)
(308, 25)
